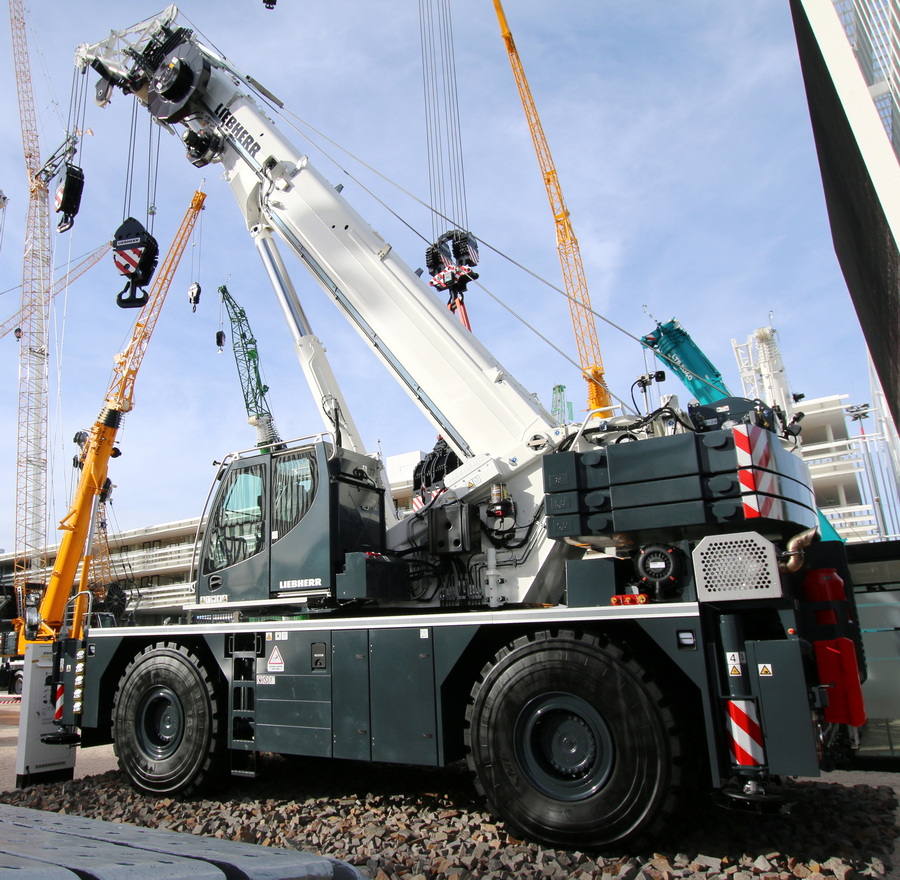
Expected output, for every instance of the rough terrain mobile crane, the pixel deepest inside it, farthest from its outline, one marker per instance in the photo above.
(597, 617)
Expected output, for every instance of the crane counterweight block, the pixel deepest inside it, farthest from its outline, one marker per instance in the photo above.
(135, 253)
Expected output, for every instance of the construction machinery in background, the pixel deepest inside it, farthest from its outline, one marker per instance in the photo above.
(14, 321)
(677, 351)
(4, 201)
(574, 279)
(61, 604)
(561, 406)
(600, 618)
(32, 330)
(246, 357)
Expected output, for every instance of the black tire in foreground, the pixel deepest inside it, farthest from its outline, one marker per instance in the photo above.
(166, 728)
(571, 741)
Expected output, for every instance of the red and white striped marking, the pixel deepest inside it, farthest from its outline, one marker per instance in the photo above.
(745, 737)
(57, 715)
(752, 444)
(127, 260)
(758, 485)
(418, 502)
(59, 197)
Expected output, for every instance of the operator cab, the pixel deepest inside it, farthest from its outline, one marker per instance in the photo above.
(294, 523)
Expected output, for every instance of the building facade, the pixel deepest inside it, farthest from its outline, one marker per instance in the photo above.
(873, 30)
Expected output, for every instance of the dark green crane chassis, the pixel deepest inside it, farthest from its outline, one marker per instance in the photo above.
(566, 715)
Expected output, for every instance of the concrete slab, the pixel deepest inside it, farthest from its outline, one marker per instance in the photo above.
(21, 869)
(95, 859)
(113, 851)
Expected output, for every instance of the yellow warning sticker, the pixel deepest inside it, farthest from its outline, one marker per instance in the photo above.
(734, 670)
(765, 669)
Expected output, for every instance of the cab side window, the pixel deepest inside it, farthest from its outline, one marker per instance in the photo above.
(294, 484)
(237, 524)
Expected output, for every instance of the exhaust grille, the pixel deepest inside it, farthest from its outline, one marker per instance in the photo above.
(732, 567)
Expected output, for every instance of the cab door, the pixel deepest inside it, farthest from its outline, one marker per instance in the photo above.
(234, 563)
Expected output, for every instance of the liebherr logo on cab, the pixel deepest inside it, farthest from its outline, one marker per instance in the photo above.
(238, 132)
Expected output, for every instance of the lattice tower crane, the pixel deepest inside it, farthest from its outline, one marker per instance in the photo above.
(60, 284)
(4, 201)
(42, 625)
(570, 261)
(246, 356)
(31, 463)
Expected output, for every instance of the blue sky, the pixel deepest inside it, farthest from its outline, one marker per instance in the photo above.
(682, 140)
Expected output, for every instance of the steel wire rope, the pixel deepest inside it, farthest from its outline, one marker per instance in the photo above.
(458, 183)
(446, 165)
(74, 127)
(129, 163)
(433, 141)
(284, 114)
(152, 174)
(288, 115)
(34, 43)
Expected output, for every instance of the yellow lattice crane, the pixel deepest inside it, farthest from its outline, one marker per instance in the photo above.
(42, 625)
(567, 245)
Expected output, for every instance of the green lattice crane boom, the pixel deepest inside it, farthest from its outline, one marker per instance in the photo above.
(246, 356)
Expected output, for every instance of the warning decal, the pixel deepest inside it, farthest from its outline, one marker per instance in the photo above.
(275, 663)
(765, 669)
(734, 670)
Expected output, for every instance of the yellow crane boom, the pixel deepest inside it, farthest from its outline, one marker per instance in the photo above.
(42, 625)
(567, 244)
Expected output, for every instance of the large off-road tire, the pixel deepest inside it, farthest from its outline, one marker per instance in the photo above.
(166, 721)
(572, 743)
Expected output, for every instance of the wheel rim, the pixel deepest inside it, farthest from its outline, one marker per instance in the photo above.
(563, 746)
(160, 723)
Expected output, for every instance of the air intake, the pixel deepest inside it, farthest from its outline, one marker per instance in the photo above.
(732, 567)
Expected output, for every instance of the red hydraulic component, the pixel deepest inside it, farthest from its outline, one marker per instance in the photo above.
(835, 657)
(824, 585)
(629, 599)
(458, 305)
(839, 672)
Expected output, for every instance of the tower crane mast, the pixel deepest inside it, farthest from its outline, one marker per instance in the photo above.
(567, 244)
(31, 462)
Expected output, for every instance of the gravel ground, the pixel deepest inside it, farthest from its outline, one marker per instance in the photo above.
(428, 825)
